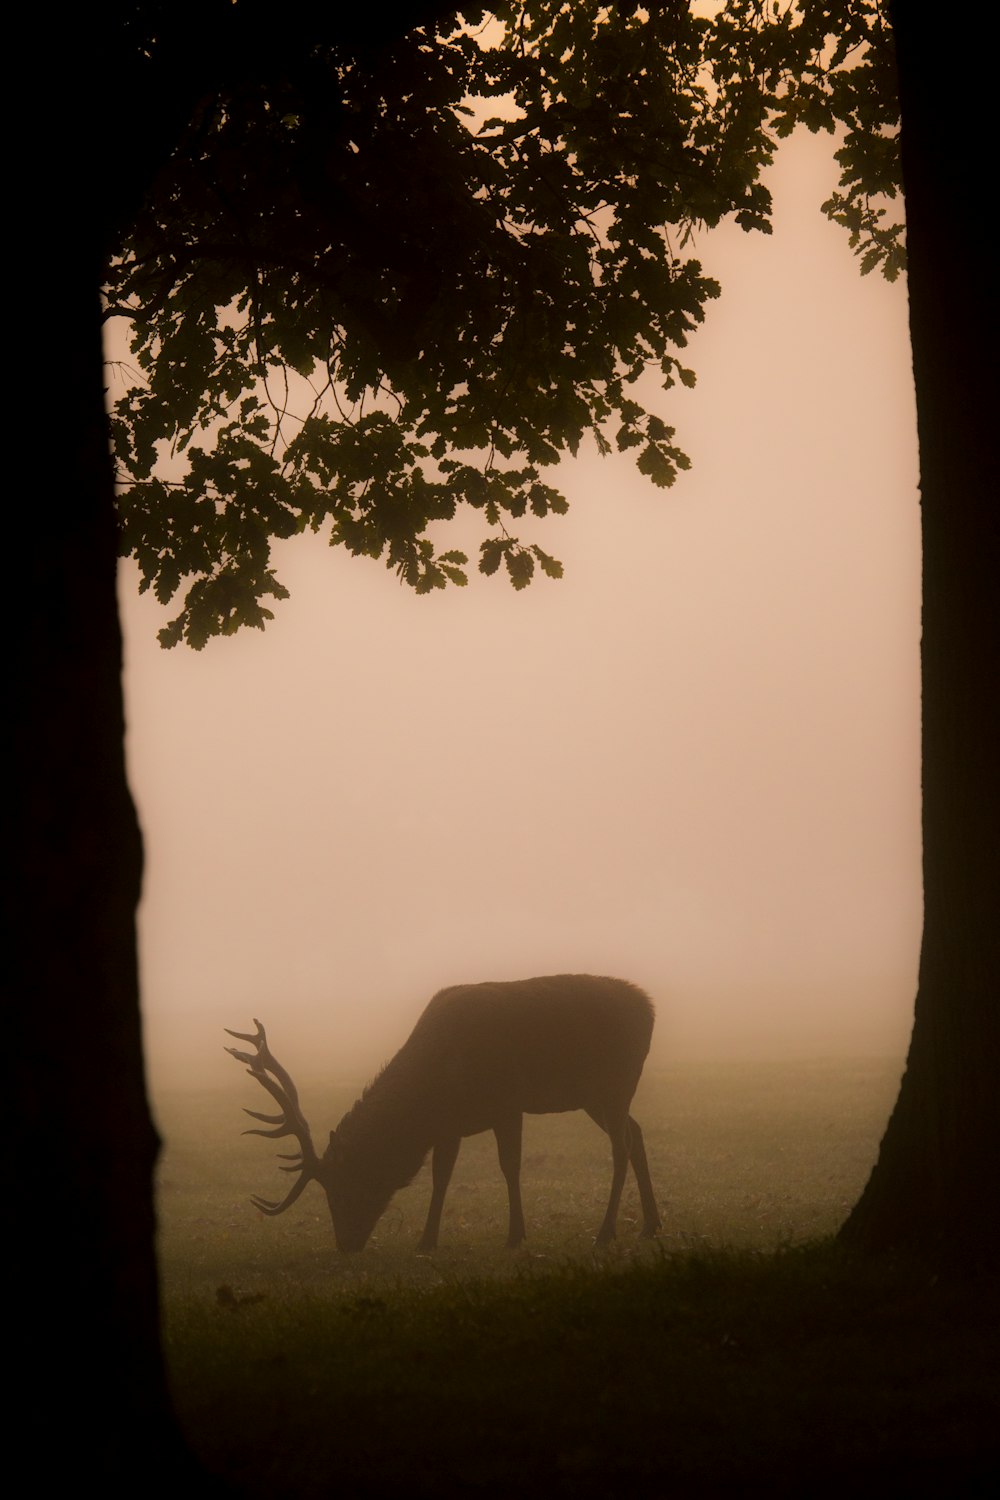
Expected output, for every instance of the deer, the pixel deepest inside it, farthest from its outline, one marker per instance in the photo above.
(479, 1058)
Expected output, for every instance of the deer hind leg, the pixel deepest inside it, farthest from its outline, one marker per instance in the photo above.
(651, 1220)
(615, 1123)
(508, 1134)
(637, 1156)
(443, 1161)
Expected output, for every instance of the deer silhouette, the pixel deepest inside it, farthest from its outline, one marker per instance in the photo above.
(480, 1057)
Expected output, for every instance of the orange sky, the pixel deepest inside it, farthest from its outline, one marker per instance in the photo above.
(692, 763)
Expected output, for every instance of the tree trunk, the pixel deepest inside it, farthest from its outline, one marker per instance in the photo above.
(85, 1285)
(86, 1311)
(935, 1189)
(86, 1354)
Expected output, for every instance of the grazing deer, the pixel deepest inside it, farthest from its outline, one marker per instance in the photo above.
(480, 1056)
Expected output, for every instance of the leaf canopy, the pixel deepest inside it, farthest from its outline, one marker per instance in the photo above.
(366, 291)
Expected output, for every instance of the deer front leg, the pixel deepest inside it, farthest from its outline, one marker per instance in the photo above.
(443, 1159)
(508, 1134)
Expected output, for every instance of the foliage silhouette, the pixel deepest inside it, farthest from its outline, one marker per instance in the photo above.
(365, 291)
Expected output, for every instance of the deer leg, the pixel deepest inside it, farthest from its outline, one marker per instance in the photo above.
(508, 1134)
(443, 1159)
(615, 1123)
(651, 1220)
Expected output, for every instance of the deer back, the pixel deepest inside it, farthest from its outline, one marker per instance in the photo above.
(537, 1046)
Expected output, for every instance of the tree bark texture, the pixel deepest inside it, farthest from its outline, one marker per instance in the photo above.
(935, 1189)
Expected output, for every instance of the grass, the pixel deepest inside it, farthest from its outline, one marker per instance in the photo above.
(734, 1354)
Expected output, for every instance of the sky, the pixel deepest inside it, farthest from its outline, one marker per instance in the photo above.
(693, 762)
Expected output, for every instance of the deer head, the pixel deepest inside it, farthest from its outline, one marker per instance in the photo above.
(354, 1206)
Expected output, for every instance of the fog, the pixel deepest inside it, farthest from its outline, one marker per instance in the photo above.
(693, 762)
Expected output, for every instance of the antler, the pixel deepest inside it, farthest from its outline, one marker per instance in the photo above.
(290, 1121)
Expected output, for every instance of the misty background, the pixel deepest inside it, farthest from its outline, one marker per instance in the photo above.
(692, 763)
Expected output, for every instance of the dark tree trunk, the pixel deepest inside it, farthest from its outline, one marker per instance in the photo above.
(85, 1294)
(83, 1299)
(935, 1190)
(85, 1285)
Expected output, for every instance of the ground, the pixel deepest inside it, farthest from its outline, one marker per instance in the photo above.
(739, 1352)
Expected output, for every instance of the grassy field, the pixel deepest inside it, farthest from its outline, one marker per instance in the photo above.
(749, 1156)
(730, 1354)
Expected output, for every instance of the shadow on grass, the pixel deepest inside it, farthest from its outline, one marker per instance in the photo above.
(796, 1373)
